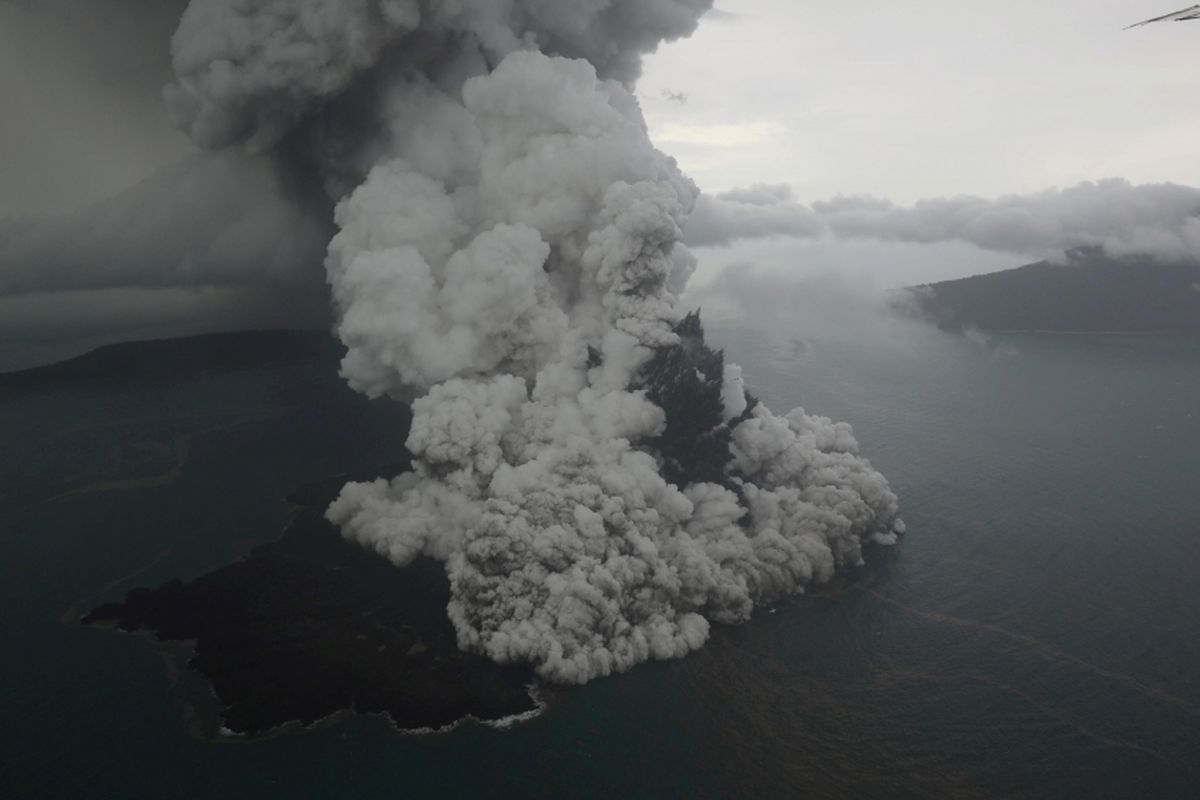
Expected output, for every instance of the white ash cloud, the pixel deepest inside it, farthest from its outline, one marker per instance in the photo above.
(1160, 221)
(247, 70)
(568, 549)
(510, 251)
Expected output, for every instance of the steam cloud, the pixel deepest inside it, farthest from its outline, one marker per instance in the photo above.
(1161, 221)
(598, 483)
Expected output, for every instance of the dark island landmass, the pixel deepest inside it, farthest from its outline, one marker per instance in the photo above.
(311, 625)
(1090, 293)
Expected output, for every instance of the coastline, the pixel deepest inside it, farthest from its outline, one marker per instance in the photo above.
(371, 640)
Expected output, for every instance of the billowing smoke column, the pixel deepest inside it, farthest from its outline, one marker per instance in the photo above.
(597, 481)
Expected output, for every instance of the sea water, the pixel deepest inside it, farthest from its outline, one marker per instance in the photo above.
(1037, 633)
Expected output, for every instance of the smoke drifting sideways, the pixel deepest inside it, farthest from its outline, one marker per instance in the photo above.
(1158, 221)
(597, 481)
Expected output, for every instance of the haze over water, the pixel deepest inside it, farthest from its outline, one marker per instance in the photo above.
(1036, 634)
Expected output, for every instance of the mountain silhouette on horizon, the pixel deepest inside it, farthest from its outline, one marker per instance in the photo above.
(1089, 293)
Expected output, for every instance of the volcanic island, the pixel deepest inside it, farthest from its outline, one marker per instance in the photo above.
(313, 627)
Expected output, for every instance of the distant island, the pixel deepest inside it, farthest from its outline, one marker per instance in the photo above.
(166, 360)
(1089, 293)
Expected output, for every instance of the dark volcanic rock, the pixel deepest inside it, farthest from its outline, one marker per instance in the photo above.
(312, 625)
(686, 380)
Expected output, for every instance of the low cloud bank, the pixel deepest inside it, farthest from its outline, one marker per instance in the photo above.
(751, 213)
(1160, 221)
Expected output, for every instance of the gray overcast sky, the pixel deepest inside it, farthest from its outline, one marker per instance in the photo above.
(930, 97)
(903, 101)
(80, 84)
(898, 100)
(923, 99)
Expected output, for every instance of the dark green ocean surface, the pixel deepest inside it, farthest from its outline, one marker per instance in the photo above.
(1037, 634)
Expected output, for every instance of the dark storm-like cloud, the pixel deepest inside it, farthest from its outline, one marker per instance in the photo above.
(222, 220)
(82, 84)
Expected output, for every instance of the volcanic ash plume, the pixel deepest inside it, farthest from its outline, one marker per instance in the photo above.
(597, 481)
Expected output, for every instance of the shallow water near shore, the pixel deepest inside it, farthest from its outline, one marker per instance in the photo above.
(1036, 634)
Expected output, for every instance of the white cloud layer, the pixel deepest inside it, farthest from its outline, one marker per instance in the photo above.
(1160, 221)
